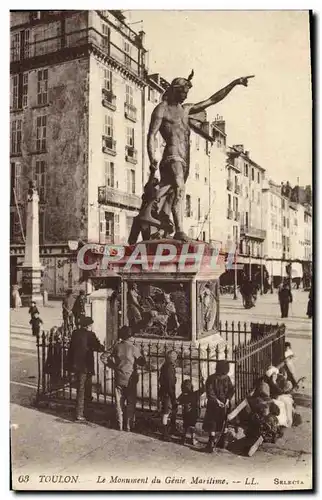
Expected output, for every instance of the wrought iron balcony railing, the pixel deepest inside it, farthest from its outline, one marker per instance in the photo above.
(111, 196)
(131, 154)
(252, 232)
(78, 39)
(130, 111)
(109, 145)
(109, 99)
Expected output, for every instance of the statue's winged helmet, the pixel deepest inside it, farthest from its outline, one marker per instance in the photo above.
(178, 82)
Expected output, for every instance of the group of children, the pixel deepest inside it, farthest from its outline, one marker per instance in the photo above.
(219, 391)
(270, 406)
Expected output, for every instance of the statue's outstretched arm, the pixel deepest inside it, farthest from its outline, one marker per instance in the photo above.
(155, 124)
(220, 95)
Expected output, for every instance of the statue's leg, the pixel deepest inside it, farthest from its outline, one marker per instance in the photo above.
(178, 202)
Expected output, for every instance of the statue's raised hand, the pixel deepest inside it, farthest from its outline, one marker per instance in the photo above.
(244, 80)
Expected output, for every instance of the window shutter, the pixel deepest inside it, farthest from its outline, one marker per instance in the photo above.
(102, 228)
(116, 228)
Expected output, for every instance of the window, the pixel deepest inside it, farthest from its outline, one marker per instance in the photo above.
(25, 90)
(42, 87)
(129, 95)
(16, 137)
(235, 234)
(131, 181)
(109, 227)
(108, 79)
(258, 177)
(188, 205)
(206, 180)
(152, 95)
(108, 126)
(246, 219)
(258, 198)
(109, 174)
(105, 36)
(41, 133)
(203, 235)
(197, 171)
(246, 191)
(26, 47)
(199, 209)
(40, 178)
(229, 201)
(253, 173)
(288, 223)
(283, 204)
(14, 91)
(246, 170)
(284, 222)
(130, 137)
(127, 53)
(197, 142)
(16, 186)
(235, 204)
(15, 47)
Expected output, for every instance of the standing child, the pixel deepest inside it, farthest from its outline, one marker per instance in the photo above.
(167, 393)
(190, 399)
(33, 309)
(35, 322)
(219, 390)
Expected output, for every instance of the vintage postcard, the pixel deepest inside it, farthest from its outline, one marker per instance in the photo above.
(161, 250)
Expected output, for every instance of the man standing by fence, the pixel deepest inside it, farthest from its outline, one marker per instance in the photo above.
(81, 362)
(124, 360)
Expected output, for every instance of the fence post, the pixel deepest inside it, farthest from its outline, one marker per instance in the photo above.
(43, 352)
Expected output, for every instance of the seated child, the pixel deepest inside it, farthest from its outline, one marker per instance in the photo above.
(167, 394)
(263, 426)
(219, 390)
(190, 401)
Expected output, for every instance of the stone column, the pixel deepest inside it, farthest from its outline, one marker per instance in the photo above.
(105, 315)
(32, 268)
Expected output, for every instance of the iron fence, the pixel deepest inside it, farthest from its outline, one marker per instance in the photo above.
(249, 358)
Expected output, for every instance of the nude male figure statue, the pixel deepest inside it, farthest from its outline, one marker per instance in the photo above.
(173, 119)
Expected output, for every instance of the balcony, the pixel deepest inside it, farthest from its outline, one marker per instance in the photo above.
(74, 43)
(109, 99)
(229, 214)
(109, 145)
(229, 185)
(130, 112)
(252, 232)
(237, 188)
(111, 196)
(237, 216)
(131, 154)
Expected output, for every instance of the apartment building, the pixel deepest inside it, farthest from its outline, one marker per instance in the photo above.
(77, 85)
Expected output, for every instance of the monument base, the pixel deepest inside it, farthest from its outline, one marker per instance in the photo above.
(31, 282)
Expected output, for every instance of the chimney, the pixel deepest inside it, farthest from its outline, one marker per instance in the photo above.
(141, 37)
(239, 147)
(246, 153)
(220, 123)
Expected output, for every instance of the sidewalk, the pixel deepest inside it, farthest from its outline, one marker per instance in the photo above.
(43, 443)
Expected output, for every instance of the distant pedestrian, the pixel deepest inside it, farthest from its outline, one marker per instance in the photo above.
(33, 309)
(83, 344)
(124, 360)
(16, 299)
(285, 297)
(79, 308)
(67, 305)
(36, 323)
(189, 399)
(309, 311)
(167, 394)
(219, 390)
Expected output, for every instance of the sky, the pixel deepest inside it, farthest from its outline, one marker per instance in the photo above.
(272, 117)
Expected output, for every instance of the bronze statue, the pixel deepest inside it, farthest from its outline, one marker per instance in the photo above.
(173, 120)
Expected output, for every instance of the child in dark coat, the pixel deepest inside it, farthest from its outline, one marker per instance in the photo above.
(35, 323)
(167, 393)
(190, 401)
(219, 390)
(33, 309)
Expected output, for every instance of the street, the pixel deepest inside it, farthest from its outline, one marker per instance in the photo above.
(51, 442)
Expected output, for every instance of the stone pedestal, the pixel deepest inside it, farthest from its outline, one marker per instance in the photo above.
(32, 268)
(105, 315)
